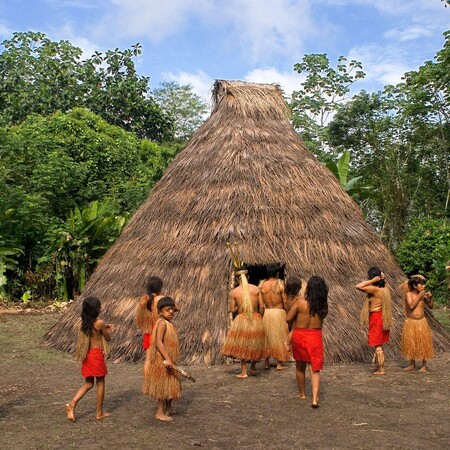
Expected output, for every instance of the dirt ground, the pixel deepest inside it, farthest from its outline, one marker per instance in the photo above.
(357, 410)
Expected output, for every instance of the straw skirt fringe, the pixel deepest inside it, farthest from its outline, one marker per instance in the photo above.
(277, 331)
(246, 338)
(161, 382)
(417, 339)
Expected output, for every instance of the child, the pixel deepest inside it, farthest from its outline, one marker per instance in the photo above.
(92, 349)
(376, 313)
(307, 346)
(417, 340)
(160, 380)
(146, 313)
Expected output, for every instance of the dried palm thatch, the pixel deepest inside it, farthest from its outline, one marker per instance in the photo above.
(245, 176)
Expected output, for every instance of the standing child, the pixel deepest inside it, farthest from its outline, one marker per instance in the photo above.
(92, 349)
(160, 379)
(147, 315)
(376, 312)
(309, 313)
(417, 339)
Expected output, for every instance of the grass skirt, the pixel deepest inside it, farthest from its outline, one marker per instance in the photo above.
(161, 382)
(246, 338)
(417, 339)
(277, 331)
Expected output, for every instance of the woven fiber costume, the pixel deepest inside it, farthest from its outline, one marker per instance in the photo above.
(417, 339)
(246, 338)
(307, 346)
(93, 364)
(160, 381)
(276, 329)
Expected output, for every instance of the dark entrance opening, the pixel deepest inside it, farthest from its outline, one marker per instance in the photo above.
(259, 272)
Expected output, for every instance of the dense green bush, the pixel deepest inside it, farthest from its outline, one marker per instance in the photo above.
(426, 250)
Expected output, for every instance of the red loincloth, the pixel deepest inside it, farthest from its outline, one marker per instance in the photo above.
(147, 339)
(94, 364)
(307, 346)
(377, 336)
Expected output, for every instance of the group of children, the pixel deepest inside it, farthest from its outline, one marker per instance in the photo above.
(261, 329)
(417, 339)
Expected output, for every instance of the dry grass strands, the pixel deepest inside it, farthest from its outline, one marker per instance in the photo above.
(244, 177)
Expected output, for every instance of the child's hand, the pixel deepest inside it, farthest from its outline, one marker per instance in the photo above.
(110, 327)
(382, 276)
(168, 363)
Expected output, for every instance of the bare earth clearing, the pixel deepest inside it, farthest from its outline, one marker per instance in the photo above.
(357, 409)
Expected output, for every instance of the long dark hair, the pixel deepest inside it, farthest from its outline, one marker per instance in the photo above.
(153, 287)
(89, 314)
(292, 286)
(376, 272)
(316, 295)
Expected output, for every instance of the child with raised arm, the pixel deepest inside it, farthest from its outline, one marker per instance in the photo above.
(376, 312)
(309, 313)
(417, 339)
(92, 349)
(160, 379)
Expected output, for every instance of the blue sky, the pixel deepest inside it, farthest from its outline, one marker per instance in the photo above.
(198, 41)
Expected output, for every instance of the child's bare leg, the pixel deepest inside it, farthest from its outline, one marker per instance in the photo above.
(100, 397)
(315, 386)
(412, 366)
(70, 407)
(267, 364)
(424, 367)
(380, 359)
(168, 407)
(300, 367)
(243, 373)
(253, 368)
(160, 415)
(280, 365)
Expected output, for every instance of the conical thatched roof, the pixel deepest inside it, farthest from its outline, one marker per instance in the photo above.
(245, 176)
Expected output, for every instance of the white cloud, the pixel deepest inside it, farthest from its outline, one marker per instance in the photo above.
(201, 82)
(288, 81)
(262, 28)
(409, 33)
(5, 32)
(67, 32)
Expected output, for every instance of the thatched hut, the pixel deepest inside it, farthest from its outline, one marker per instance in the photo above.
(244, 177)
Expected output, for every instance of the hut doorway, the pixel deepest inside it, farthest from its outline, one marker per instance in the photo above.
(259, 272)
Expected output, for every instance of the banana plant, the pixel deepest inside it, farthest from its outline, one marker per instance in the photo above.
(341, 169)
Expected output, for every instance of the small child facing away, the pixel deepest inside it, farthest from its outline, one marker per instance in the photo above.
(92, 349)
(160, 379)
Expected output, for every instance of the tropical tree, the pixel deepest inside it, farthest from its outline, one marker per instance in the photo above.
(322, 94)
(183, 106)
(39, 76)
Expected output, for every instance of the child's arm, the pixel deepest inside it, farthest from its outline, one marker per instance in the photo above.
(261, 306)
(413, 302)
(104, 328)
(160, 332)
(292, 314)
(429, 300)
(366, 286)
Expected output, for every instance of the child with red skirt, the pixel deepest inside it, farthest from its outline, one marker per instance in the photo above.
(92, 348)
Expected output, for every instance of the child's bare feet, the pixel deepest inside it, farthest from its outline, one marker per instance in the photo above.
(69, 412)
(164, 418)
(102, 415)
(315, 405)
(302, 396)
(379, 372)
(281, 367)
(242, 375)
(423, 369)
(409, 368)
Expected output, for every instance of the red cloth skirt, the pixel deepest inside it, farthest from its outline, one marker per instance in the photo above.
(307, 346)
(94, 364)
(377, 336)
(147, 340)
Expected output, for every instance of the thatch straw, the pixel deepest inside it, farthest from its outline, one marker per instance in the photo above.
(245, 176)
